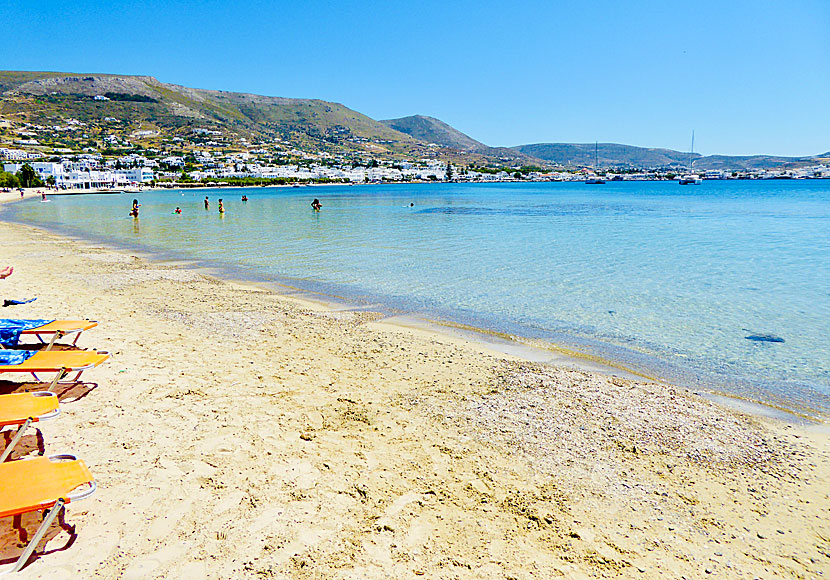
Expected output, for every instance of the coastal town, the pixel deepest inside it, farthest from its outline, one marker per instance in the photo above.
(208, 157)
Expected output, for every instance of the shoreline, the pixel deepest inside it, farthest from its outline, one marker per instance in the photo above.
(533, 349)
(241, 433)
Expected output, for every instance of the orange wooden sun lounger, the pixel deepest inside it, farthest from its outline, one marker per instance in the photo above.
(30, 485)
(58, 329)
(60, 362)
(23, 409)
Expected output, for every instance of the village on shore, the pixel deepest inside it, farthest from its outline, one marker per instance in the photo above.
(208, 158)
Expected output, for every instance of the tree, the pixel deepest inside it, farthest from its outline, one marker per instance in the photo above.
(8, 180)
(517, 175)
(28, 177)
(50, 180)
(449, 171)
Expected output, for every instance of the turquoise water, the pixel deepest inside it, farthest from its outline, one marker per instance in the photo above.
(668, 280)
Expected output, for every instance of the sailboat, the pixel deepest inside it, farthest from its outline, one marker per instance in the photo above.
(595, 180)
(690, 178)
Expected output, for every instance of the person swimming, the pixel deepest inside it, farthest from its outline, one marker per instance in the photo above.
(316, 205)
(178, 210)
(244, 198)
(221, 207)
(134, 210)
(207, 203)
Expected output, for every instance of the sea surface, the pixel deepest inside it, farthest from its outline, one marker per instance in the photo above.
(723, 286)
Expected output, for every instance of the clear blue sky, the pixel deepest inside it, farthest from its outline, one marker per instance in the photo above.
(749, 76)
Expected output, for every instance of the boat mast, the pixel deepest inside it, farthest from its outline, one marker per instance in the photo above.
(692, 151)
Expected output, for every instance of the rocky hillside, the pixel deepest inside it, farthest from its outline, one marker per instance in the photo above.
(131, 102)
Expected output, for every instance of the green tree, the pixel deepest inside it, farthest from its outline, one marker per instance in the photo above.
(28, 177)
(449, 171)
(517, 175)
(50, 180)
(8, 180)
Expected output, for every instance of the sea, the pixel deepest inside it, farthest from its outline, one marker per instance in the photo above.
(720, 287)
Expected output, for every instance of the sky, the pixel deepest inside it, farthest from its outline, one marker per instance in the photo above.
(749, 77)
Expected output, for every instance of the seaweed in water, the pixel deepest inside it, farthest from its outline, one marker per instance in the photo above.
(759, 337)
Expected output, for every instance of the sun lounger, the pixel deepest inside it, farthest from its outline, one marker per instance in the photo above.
(60, 362)
(42, 483)
(23, 409)
(12, 328)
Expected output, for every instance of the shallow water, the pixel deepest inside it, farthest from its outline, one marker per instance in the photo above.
(665, 279)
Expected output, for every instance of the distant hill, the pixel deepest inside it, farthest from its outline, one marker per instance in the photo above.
(434, 130)
(614, 155)
(610, 155)
(749, 162)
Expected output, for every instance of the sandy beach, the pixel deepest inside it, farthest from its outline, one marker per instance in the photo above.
(242, 433)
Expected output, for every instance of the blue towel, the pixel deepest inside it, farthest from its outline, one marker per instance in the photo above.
(14, 357)
(10, 329)
(16, 302)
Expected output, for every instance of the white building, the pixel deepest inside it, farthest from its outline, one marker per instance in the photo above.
(69, 177)
(16, 154)
(137, 174)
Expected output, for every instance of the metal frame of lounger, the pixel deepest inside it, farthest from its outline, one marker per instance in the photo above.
(54, 507)
(24, 422)
(63, 371)
(58, 334)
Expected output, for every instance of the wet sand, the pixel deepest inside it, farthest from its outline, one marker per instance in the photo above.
(238, 433)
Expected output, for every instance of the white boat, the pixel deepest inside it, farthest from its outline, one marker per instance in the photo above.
(595, 180)
(690, 178)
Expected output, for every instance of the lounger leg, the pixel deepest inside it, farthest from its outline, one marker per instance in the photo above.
(41, 531)
(18, 436)
(61, 373)
(52, 342)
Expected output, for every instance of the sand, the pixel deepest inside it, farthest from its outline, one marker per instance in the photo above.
(240, 433)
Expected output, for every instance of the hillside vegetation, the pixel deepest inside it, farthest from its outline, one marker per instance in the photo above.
(71, 112)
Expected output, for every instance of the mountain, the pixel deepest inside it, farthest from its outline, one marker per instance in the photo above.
(434, 130)
(122, 105)
(54, 111)
(614, 155)
(610, 155)
(749, 162)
